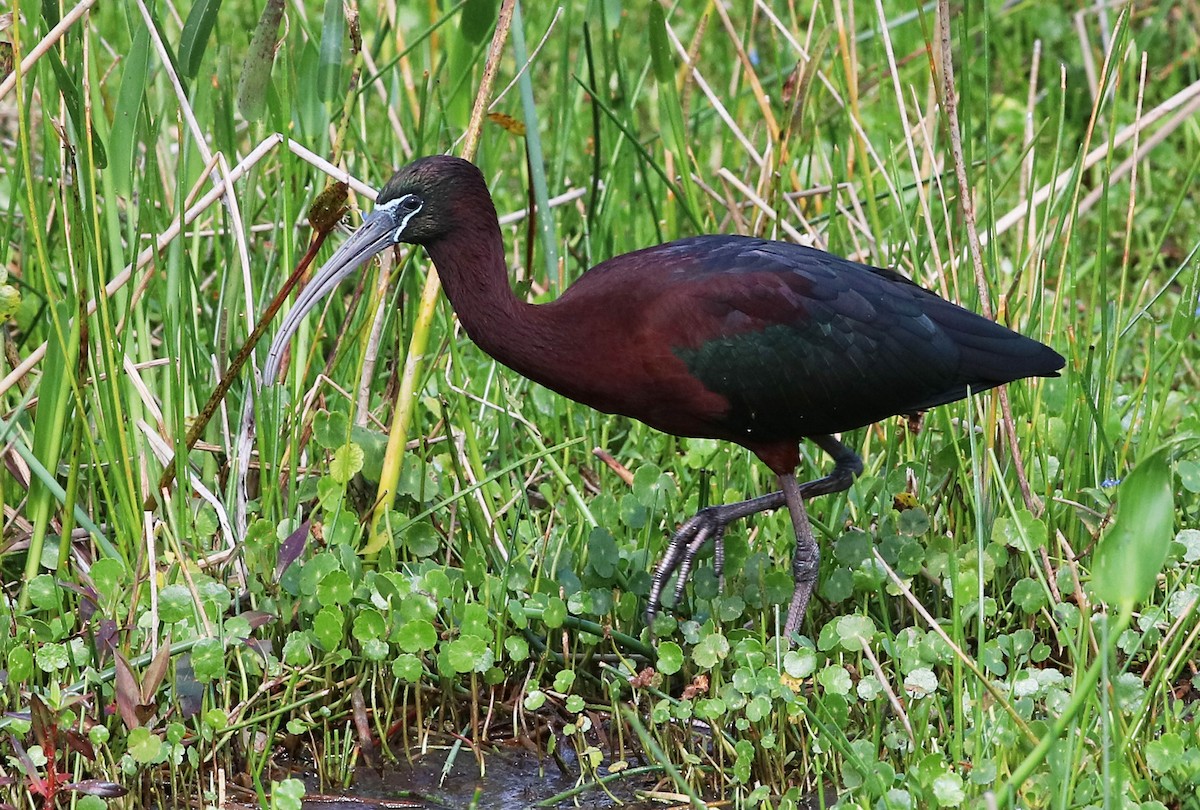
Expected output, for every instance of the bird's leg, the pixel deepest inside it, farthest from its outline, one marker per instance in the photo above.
(806, 560)
(709, 524)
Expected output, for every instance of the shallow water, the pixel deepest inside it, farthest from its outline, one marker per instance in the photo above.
(514, 779)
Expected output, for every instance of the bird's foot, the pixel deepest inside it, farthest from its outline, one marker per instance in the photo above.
(707, 524)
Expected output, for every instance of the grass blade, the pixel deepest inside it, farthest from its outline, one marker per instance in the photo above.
(124, 135)
(193, 40)
(329, 61)
(1131, 553)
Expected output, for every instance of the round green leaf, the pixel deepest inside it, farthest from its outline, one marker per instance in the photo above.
(469, 653)
(778, 587)
(1190, 540)
(407, 667)
(670, 657)
(144, 746)
(421, 539)
(369, 624)
(1022, 531)
(652, 487)
(335, 588)
(948, 790)
(711, 650)
(330, 429)
(603, 554)
(517, 648)
(633, 511)
(1165, 753)
(417, 635)
(108, 575)
(475, 622)
(347, 461)
(913, 522)
(328, 627)
(555, 612)
(216, 719)
(920, 682)
(800, 663)
(1189, 475)
(52, 657)
(564, 680)
(20, 665)
(174, 604)
(287, 795)
(297, 650)
(43, 593)
(1029, 595)
(835, 679)
(375, 649)
(316, 570)
(758, 709)
(855, 631)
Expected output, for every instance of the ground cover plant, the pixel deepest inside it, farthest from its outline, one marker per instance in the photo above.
(1006, 613)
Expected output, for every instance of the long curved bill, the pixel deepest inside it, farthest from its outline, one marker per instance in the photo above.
(375, 234)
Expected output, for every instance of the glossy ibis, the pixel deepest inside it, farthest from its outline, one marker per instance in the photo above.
(756, 342)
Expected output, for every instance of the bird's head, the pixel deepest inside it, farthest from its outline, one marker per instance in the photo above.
(418, 206)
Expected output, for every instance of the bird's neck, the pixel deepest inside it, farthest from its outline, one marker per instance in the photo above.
(473, 273)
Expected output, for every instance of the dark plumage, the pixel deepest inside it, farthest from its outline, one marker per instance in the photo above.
(729, 337)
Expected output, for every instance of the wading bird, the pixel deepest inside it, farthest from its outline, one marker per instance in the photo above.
(752, 341)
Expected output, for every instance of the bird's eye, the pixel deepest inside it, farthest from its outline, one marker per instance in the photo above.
(406, 208)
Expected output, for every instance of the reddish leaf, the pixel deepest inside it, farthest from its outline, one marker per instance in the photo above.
(98, 787)
(329, 207)
(152, 678)
(511, 125)
(128, 693)
(80, 744)
(291, 548)
(106, 638)
(45, 726)
(37, 784)
(258, 618)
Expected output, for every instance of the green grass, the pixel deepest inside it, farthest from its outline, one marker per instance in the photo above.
(1006, 614)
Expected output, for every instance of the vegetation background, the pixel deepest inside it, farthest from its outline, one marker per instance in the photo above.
(1007, 611)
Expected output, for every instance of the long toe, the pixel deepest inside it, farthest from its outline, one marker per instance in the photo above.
(714, 532)
(681, 551)
(707, 524)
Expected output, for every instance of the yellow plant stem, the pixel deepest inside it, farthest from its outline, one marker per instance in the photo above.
(402, 414)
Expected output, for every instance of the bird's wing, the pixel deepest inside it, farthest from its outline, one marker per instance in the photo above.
(800, 340)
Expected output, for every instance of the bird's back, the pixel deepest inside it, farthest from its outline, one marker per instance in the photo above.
(792, 341)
